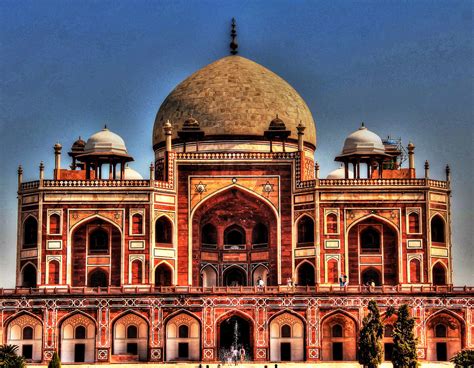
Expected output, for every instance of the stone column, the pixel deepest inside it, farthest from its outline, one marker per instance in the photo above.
(103, 343)
(156, 332)
(313, 343)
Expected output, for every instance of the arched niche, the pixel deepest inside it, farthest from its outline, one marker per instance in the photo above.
(183, 347)
(305, 231)
(287, 340)
(76, 347)
(209, 276)
(130, 336)
(163, 275)
(26, 332)
(339, 337)
(444, 336)
(305, 274)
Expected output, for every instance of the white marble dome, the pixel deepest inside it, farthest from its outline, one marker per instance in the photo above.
(363, 142)
(339, 174)
(105, 141)
(131, 174)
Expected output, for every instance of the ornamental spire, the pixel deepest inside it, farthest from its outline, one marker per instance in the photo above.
(233, 44)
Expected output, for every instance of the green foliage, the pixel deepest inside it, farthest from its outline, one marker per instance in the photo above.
(55, 361)
(9, 357)
(404, 340)
(370, 338)
(463, 359)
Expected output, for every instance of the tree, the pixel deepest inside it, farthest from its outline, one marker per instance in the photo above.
(463, 359)
(370, 338)
(404, 340)
(9, 357)
(55, 361)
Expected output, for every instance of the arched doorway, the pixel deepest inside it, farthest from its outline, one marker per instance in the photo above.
(131, 336)
(371, 275)
(339, 337)
(286, 338)
(376, 239)
(208, 276)
(439, 274)
(305, 274)
(78, 335)
(235, 276)
(183, 338)
(25, 332)
(233, 226)
(235, 333)
(28, 276)
(445, 336)
(163, 275)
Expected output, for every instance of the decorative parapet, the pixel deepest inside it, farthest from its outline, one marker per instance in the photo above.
(236, 155)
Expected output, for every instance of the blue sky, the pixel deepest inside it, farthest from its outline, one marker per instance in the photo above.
(403, 67)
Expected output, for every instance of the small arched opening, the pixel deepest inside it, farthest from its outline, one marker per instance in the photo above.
(371, 276)
(235, 276)
(98, 278)
(306, 273)
(163, 275)
(54, 224)
(53, 272)
(208, 276)
(305, 232)
(439, 274)
(28, 276)
(163, 230)
(30, 233)
(98, 241)
(438, 230)
(370, 240)
(234, 237)
(137, 224)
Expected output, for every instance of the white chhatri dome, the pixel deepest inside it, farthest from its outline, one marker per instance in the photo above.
(363, 142)
(107, 142)
(131, 174)
(339, 174)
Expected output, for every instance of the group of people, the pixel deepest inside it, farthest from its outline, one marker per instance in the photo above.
(235, 355)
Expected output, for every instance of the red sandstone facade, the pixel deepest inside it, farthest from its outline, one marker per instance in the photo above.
(123, 269)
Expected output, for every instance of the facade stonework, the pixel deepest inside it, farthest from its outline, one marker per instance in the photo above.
(233, 241)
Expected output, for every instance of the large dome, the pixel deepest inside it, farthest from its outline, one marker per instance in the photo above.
(234, 96)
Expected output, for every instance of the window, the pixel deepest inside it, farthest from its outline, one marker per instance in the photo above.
(132, 332)
(285, 331)
(29, 276)
(413, 223)
(137, 224)
(98, 278)
(183, 332)
(54, 224)
(80, 332)
(439, 274)
(437, 230)
(136, 272)
(260, 236)
(28, 333)
(163, 230)
(306, 275)
(336, 331)
(30, 233)
(53, 272)
(99, 241)
(209, 236)
(370, 240)
(234, 237)
(305, 231)
(415, 271)
(333, 271)
(441, 331)
(331, 223)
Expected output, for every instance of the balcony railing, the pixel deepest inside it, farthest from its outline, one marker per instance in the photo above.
(267, 290)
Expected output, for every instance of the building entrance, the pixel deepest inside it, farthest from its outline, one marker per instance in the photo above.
(235, 340)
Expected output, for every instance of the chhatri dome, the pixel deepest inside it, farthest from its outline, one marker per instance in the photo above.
(234, 98)
(105, 142)
(363, 142)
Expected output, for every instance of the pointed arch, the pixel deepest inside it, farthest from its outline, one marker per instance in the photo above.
(25, 330)
(29, 275)
(305, 231)
(164, 230)
(287, 337)
(96, 216)
(30, 232)
(130, 334)
(261, 271)
(439, 273)
(438, 229)
(208, 276)
(306, 273)
(69, 343)
(184, 348)
(337, 346)
(235, 275)
(163, 274)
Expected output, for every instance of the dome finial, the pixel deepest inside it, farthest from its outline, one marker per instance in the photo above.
(233, 45)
